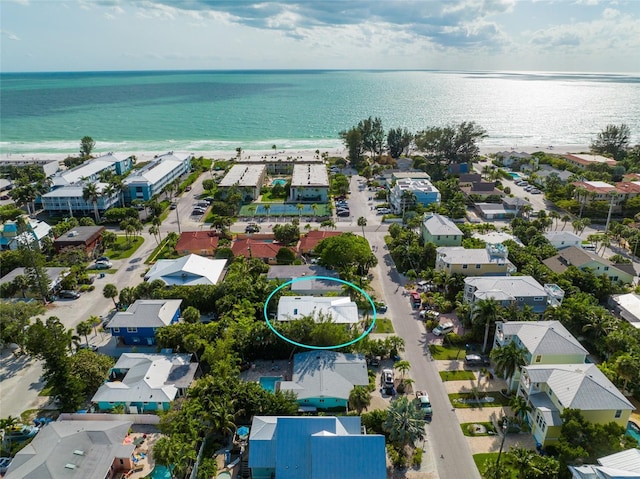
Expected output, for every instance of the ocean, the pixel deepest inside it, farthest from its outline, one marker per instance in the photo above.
(253, 110)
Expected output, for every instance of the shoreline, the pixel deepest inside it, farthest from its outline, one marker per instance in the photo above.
(303, 154)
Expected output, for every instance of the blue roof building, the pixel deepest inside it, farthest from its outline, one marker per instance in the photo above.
(314, 448)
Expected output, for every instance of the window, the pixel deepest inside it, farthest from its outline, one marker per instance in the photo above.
(538, 358)
(438, 236)
(132, 330)
(478, 266)
(520, 299)
(618, 413)
(538, 298)
(606, 268)
(465, 266)
(115, 330)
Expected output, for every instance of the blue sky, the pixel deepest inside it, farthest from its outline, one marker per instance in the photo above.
(548, 35)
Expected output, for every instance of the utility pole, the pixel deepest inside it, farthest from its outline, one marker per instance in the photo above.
(505, 426)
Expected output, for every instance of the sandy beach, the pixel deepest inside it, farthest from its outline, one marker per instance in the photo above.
(143, 156)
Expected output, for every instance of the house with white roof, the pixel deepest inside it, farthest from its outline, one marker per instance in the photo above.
(508, 158)
(69, 200)
(86, 449)
(627, 306)
(550, 389)
(508, 291)
(309, 183)
(621, 465)
(247, 178)
(91, 170)
(324, 379)
(490, 261)
(139, 323)
(543, 342)
(339, 309)
(35, 231)
(440, 230)
(309, 447)
(188, 270)
(146, 382)
(153, 178)
(423, 191)
(562, 239)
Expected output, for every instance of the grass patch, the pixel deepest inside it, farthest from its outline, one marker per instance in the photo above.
(383, 325)
(46, 391)
(506, 470)
(268, 198)
(498, 400)
(468, 429)
(442, 353)
(124, 248)
(456, 375)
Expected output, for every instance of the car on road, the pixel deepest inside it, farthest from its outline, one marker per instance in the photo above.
(101, 264)
(252, 228)
(424, 404)
(342, 213)
(444, 328)
(68, 294)
(188, 188)
(173, 206)
(4, 464)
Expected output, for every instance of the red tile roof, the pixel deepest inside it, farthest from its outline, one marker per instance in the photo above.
(256, 248)
(197, 241)
(309, 241)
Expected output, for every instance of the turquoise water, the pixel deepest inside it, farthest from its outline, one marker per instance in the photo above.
(254, 110)
(279, 182)
(161, 472)
(515, 176)
(269, 382)
(633, 430)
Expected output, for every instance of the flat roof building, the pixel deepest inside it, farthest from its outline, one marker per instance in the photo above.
(341, 310)
(154, 177)
(91, 169)
(309, 183)
(248, 178)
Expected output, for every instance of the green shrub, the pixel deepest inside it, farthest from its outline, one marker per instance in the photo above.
(431, 323)
(416, 460)
(85, 287)
(397, 458)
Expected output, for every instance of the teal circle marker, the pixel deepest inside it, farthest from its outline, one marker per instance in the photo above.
(307, 278)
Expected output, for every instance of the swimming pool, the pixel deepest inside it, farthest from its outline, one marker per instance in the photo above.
(515, 176)
(279, 181)
(268, 383)
(161, 472)
(633, 430)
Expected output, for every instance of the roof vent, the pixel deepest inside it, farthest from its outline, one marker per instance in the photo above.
(73, 234)
(78, 452)
(70, 466)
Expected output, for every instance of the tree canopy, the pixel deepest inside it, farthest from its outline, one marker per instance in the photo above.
(452, 143)
(613, 141)
(345, 253)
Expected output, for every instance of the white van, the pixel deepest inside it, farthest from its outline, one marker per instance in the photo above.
(444, 328)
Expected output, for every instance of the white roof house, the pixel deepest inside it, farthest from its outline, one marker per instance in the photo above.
(628, 307)
(310, 174)
(540, 337)
(341, 310)
(147, 313)
(519, 290)
(244, 175)
(621, 465)
(146, 378)
(89, 170)
(562, 239)
(440, 225)
(188, 270)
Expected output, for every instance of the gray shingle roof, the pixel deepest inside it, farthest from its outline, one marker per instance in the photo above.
(437, 224)
(579, 386)
(544, 337)
(147, 313)
(512, 286)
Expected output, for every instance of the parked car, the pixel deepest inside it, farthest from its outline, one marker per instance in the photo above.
(343, 213)
(103, 258)
(381, 307)
(429, 314)
(68, 294)
(102, 265)
(387, 381)
(535, 191)
(476, 360)
(20, 432)
(425, 405)
(384, 211)
(528, 188)
(4, 464)
(188, 188)
(374, 361)
(252, 228)
(5, 197)
(173, 206)
(91, 347)
(444, 328)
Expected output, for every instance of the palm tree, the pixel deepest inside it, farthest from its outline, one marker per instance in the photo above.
(486, 310)
(362, 222)
(509, 359)
(359, 398)
(5, 425)
(84, 329)
(405, 422)
(314, 207)
(21, 283)
(299, 207)
(252, 210)
(154, 230)
(520, 458)
(554, 215)
(403, 366)
(90, 193)
(519, 407)
(110, 291)
(267, 207)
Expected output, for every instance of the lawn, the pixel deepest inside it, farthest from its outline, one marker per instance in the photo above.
(498, 400)
(467, 427)
(124, 248)
(383, 325)
(440, 353)
(456, 375)
(506, 471)
(162, 251)
(267, 198)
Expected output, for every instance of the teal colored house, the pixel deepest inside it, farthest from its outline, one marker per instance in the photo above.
(146, 382)
(324, 379)
(314, 448)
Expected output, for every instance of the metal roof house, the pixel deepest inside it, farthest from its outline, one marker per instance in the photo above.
(73, 449)
(550, 389)
(621, 465)
(189, 270)
(146, 382)
(440, 230)
(324, 379)
(314, 448)
(562, 239)
(340, 309)
(35, 231)
(627, 306)
(305, 283)
(138, 324)
(582, 259)
(490, 261)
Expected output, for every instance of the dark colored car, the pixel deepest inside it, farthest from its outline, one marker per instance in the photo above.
(476, 360)
(68, 294)
(252, 228)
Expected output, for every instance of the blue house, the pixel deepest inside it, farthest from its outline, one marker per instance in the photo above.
(138, 324)
(150, 180)
(324, 379)
(146, 382)
(308, 447)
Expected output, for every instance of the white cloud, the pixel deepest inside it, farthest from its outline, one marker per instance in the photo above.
(9, 35)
